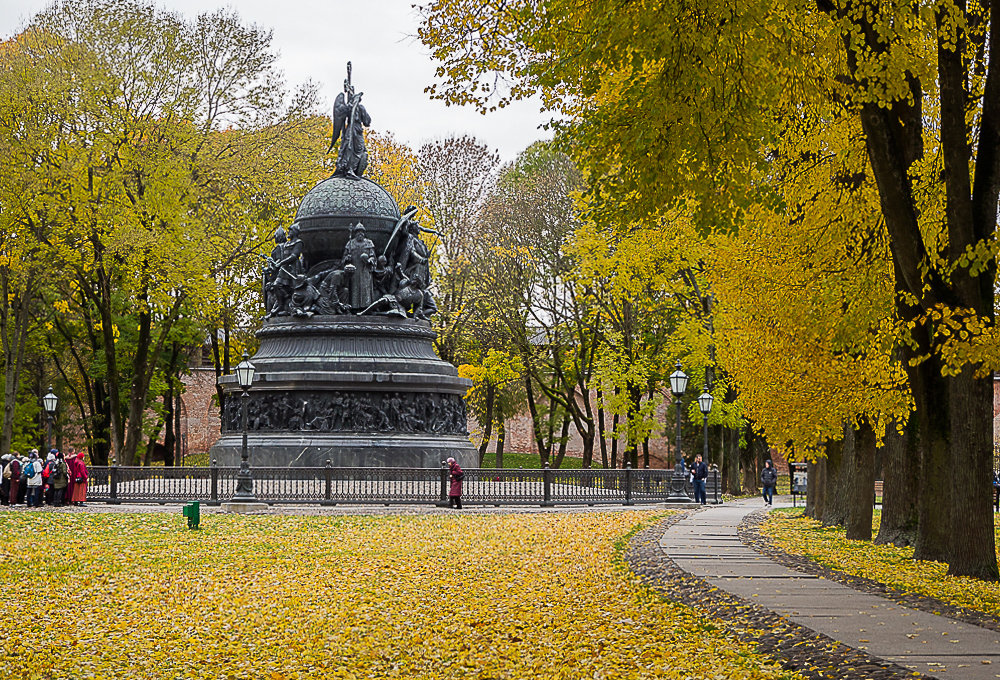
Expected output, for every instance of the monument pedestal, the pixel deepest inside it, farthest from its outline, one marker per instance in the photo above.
(357, 391)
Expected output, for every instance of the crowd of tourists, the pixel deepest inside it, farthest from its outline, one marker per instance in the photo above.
(55, 480)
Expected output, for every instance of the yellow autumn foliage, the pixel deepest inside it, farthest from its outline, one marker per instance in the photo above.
(445, 596)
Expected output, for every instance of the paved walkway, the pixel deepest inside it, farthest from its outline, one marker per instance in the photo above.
(706, 544)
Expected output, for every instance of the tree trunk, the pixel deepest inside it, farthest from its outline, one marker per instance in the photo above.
(834, 511)
(748, 460)
(973, 538)
(931, 397)
(501, 437)
(563, 441)
(544, 448)
(614, 442)
(15, 339)
(600, 430)
(731, 461)
(899, 488)
(491, 391)
(634, 409)
(858, 473)
(816, 489)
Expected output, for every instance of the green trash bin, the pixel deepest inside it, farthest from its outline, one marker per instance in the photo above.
(193, 513)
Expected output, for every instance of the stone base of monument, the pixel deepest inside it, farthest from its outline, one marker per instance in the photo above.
(345, 450)
(244, 508)
(357, 391)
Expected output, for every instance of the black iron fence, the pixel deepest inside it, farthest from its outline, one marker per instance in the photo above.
(332, 485)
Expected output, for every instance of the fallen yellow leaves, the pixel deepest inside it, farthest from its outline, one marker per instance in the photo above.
(887, 564)
(281, 597)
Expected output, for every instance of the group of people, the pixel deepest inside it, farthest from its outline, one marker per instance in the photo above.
(56, 480)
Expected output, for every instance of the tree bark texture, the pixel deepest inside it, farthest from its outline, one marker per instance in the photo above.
(973, 546)
(858, 475)
(834, 511)
(900, 488)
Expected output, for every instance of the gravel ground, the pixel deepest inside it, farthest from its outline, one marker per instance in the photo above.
(793, 646)
(749, 533)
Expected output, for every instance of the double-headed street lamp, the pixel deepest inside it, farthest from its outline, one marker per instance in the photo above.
(50, 401)
(244, 479)
(678, 384)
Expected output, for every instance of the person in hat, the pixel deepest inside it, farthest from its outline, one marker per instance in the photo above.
(59, 480)
(33, 473)
(456, 476)
(14, 468)
(5, 479)
(47, 490)
(78, 471)
(358, 262)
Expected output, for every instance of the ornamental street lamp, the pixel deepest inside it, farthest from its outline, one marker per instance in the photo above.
(244, 479)
(678, 384)
(705, 404)
(50, 401)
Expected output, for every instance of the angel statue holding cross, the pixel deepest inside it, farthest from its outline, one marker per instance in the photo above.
(349, 121)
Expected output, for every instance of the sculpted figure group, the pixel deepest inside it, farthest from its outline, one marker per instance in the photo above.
(350, 412)
(395, 283)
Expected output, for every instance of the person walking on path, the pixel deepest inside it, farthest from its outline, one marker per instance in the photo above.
(768, 479)
(699, 473)
(455, 491)
(78, 472)
(33, 473)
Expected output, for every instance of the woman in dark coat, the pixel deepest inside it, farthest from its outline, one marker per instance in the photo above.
(15, 480)
(455, 492)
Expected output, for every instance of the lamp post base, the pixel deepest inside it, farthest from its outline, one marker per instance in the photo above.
(677, 492)
(244, 507)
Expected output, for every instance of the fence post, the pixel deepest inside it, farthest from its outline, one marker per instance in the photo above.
(113, 483)
(546, 485)
(214, 499)
(444, 483)
(628, 483)
(328, 494)
(718, 486)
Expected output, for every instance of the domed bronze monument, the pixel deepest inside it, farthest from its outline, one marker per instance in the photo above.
(346, 366)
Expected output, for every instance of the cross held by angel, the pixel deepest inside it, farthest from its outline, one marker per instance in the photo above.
(349, 121)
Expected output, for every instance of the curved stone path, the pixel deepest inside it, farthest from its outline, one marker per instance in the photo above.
(705, 544)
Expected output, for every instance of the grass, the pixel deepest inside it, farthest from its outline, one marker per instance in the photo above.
(893, 566)
(282, 596)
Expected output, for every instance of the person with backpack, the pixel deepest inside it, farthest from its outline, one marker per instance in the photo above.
(59, 479)
(32, 474)
(768, 479)
(47, 489)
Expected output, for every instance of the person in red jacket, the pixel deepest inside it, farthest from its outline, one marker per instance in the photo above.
(78, 473)
(455, 491)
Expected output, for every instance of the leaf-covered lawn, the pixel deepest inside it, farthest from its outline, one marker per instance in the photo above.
(448, 596)
(798, 534)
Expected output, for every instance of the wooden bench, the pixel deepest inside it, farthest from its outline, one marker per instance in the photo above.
(877, 495)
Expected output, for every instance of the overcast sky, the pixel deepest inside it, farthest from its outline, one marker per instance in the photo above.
(316, 39)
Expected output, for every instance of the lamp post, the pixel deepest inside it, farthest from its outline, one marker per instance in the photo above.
(50, 401)
(678, 384)
(244, 479)
(705, 404)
